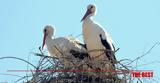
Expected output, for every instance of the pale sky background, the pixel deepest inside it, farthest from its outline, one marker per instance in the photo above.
(134, 26)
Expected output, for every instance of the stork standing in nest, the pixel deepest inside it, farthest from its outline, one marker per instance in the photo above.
(96, 38)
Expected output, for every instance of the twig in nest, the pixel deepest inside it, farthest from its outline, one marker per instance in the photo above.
(117, 49)
(47, 56)
(22, 78)
(147, 63)
(10, 74)
(19, 59)
(145, 53)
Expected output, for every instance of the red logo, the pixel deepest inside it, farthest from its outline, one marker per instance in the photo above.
(142, 73)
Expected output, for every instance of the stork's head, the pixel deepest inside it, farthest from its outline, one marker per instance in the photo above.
(91, 9)
(48, 33)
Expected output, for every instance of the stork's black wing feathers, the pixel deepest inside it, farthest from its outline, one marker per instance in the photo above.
(109, 54)
(106, 45)
(80, 55)
(83, 45)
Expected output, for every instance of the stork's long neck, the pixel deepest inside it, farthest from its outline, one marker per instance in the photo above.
(88, 20)
(87, 26)
(48, 39)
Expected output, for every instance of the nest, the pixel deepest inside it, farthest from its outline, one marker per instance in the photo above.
(52, 70)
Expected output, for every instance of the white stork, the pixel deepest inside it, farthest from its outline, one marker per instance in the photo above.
(63, 47)
(96, 38)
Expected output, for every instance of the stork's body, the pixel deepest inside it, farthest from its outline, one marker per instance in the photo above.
(91, 34)
(96, 38)
(62, 47)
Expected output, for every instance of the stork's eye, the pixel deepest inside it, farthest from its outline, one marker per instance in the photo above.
(91, 6)
(45, 30)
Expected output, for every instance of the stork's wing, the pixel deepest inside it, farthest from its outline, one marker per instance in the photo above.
(107, 46)
(110, 54)
(83, 45)
(79, 49)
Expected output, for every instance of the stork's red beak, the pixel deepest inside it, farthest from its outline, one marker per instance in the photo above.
(44, 40)
(87, 13)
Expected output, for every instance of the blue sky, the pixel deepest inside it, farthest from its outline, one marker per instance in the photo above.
(133, 24)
